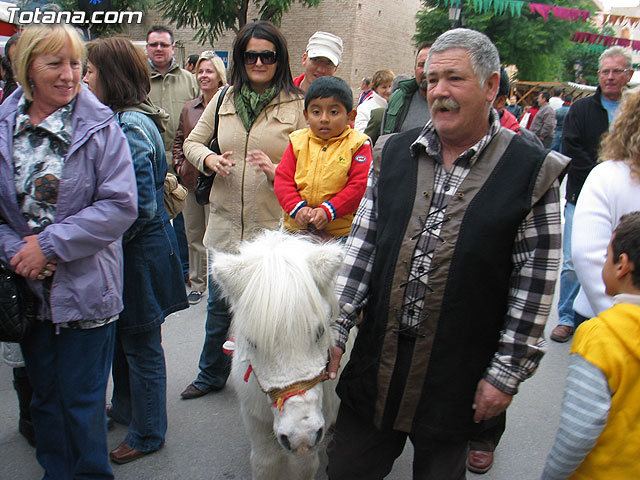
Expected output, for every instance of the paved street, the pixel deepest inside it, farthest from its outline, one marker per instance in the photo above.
(206, 438)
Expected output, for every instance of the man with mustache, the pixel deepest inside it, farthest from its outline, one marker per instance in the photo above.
(454, 251)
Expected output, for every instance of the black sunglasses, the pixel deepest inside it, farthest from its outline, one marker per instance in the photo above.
(267, 57)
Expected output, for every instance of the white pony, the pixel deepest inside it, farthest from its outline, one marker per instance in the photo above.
(280, 290)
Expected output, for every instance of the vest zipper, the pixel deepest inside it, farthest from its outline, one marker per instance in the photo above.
(319, 164)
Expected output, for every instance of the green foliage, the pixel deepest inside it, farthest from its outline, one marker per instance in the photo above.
(537, 47)
(104, 30)
(212, 17)
(587, 56)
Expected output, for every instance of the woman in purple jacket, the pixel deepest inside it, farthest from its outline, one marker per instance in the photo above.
(67, 194)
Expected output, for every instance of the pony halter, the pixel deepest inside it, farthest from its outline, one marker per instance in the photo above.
(280, 395)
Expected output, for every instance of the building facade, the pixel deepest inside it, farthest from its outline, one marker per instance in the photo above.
(376, 34)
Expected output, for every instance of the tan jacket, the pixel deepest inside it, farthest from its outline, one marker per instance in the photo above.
(243, 203)
(170, 92)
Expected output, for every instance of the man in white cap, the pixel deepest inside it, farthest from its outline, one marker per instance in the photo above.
(321, 58)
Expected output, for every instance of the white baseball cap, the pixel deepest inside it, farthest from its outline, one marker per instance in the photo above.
(325, 44)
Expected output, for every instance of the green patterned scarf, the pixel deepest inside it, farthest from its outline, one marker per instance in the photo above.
(249, 104)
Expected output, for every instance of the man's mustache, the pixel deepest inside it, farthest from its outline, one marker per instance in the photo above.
(445, 104)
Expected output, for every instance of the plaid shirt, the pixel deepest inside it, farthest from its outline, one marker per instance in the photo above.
(535, 259)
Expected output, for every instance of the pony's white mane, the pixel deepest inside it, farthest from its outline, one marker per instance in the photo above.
(280, 289)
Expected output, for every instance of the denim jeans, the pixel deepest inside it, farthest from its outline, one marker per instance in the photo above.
(140, 388)
(214, 363)
(557, 142)
(183, 246)
(69, 373)
(569, 285)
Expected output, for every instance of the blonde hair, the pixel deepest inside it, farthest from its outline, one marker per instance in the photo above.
(623, 143)
(380, 77)
(218, 65)
(47, 39)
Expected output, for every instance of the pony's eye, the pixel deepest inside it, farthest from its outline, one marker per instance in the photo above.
(251, 343)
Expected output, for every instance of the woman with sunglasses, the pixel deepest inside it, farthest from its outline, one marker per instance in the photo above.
(210, 75)
(257, 114)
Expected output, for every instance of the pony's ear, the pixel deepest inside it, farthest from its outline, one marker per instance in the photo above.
(325, 261)
(229, 272)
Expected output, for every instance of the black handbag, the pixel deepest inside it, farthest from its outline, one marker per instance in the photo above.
(205, 182)
(18, 306)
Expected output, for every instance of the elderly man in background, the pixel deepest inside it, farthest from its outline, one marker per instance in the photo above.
(458, 220)
(171, 88)
(365, 89)
(586, 121)
(321, 58)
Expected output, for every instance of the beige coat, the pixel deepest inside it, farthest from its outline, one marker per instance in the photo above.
(243, 203)
(170, 92)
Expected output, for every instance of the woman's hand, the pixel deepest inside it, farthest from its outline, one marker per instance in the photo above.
(30, 262)
(219, 164)
(262, 162)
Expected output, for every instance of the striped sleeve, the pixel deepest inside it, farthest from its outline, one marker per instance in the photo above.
(585, 409)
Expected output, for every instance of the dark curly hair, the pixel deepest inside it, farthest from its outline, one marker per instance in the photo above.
(626, 239)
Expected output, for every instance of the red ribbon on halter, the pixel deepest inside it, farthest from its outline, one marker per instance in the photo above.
(248, 374)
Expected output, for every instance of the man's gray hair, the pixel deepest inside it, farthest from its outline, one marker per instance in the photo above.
(615, 52)
(485, 59)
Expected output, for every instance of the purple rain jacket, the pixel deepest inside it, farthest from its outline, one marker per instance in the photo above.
(97, 202)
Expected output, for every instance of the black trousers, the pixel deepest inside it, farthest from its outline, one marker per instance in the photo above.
(489, 433)
(359, 451)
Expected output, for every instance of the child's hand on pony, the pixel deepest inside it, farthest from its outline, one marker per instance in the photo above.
(319, 218)
(303, 217)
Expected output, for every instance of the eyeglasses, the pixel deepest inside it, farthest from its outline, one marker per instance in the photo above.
(267, 57)
(616, 73)
(159, 45)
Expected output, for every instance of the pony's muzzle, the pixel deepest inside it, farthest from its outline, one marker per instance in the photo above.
(304, 445)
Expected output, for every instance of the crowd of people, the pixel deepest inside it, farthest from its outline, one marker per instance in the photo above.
(430, 182)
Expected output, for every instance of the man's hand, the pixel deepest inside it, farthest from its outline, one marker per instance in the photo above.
(335, 354)
(489, 401)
